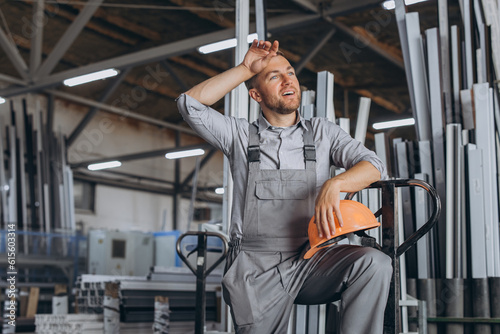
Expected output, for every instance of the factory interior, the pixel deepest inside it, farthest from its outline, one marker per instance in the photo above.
(115, 214)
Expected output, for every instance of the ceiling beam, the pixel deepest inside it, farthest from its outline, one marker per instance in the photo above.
(59, 11)
(128, 25)
(67, 39)
(346, 7)
(117, 172)
(342, 83)
(13, 54)
(125, 38)
(384, 50)
(153, 81)
(119, 21)
(130, 60)
(177, 78)
(197, 65)
(155, 74)
(36, 36)
(388, 52)
(275, 25)
(124, 184)
(203, 162)
(11, 80)
(121, 112)
(374, 44)
(137, 186)
(398, 109)
(216, 16)
(110, 89)
(306, 4)
(154, 54)
(141, 155)
(156, 77)
(314, 50)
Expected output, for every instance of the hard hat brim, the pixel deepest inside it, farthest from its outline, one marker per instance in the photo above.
(356, 217)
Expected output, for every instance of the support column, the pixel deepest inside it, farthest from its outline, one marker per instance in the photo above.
(177, 189)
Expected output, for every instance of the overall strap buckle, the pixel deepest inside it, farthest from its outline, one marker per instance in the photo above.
(253, 153)
(310, 152)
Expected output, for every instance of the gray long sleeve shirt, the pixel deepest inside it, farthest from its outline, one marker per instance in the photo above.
(281, 148)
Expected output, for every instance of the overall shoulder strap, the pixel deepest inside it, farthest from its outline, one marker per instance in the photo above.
(253, 150)
(309, 147)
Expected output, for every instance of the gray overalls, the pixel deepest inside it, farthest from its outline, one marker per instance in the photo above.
(265, 270)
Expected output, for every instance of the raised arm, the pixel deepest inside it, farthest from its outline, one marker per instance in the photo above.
(256, 59)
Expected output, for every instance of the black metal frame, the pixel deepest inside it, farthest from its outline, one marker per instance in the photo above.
(390, 239)
(201, 272)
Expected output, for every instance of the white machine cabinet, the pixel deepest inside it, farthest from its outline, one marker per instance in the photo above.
(120, 253)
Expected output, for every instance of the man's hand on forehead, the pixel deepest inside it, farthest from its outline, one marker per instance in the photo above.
(264, 45)
(259, 55)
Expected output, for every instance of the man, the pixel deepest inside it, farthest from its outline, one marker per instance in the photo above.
(281, 171)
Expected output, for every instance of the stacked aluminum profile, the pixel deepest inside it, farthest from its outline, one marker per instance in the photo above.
(452, 74)
(38, 163)
(89, 296)
(90, 290)
(69, 323)
(461, 134)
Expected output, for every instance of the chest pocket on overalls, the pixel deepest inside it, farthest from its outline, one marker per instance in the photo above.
(283, 208)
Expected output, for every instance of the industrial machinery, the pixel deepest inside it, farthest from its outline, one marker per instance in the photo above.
(120, 253)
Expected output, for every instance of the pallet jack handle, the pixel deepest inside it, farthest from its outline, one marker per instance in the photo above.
(202, 247)
(412, 240)
(201, 272)
(390, 240)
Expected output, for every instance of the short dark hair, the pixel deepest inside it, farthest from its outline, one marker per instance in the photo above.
(250, 83)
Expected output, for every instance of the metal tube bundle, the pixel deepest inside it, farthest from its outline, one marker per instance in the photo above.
(454, 98)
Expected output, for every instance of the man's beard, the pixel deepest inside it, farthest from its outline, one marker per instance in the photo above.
(279, 106)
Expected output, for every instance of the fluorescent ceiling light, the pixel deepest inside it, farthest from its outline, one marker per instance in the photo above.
(223, 45)
(104, 165)
(390, 4)
(185, 154)
(2, 100)
(412, 2)
(90, 77)
(393, 124)
(219, 191)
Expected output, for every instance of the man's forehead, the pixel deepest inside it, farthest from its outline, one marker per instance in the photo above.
(277, 64)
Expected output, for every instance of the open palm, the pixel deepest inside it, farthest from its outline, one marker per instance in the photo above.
(259, 55)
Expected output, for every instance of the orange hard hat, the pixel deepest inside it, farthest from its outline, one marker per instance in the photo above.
(356, 217)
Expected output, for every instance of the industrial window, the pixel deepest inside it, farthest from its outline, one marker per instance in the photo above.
(84, 193)
(118, 248)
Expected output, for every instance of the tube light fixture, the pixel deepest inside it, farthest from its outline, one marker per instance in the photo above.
(111, 72)
(219, 191)
(223, 45)
(390, 4)
(104, 165)
(185, 154)
(2, 100)
(393, 124)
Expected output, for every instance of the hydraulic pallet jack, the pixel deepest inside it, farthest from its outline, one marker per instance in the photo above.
(390, 245)
(201, 272)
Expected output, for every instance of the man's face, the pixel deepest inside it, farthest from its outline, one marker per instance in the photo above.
(277, 88)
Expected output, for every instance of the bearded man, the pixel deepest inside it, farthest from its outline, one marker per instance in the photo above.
(281, 171)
